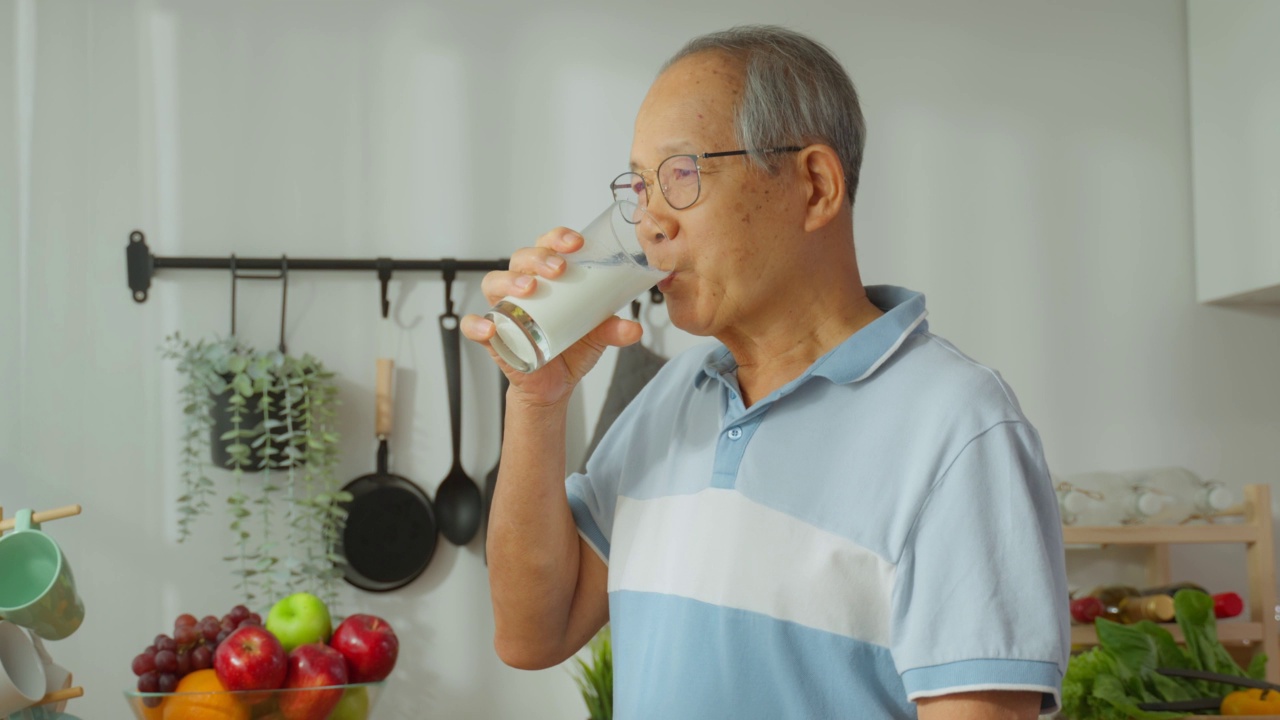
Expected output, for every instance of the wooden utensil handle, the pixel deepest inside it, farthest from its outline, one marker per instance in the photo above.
(65, 511)
(60, 695)
(384, 410)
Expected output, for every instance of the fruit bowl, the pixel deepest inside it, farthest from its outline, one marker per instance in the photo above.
(354, 702)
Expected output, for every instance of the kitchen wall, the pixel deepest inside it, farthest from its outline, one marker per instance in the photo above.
(1028, 168)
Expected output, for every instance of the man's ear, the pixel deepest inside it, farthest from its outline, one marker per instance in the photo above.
(823, 174)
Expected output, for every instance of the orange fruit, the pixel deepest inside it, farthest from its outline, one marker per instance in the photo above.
(214, 703)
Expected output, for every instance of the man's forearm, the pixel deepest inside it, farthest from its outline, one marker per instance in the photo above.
(533, 545)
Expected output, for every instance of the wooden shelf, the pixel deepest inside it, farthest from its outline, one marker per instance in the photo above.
(1259, 631)
(1159, 534)
(1235, 633)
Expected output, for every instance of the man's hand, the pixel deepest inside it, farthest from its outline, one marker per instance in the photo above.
(554, 382)
(982, 705)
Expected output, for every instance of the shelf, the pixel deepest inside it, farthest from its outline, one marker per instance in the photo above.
(1259, 631)
(1236, 633)
(1159, 534)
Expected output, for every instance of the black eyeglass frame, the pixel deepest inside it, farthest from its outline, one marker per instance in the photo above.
(615, 186)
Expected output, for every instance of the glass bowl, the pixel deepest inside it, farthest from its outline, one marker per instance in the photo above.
(353, 702)
(41, 712)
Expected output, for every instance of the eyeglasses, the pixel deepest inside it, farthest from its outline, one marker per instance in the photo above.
(679, 177)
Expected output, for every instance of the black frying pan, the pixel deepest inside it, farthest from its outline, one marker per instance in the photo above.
(391, 525)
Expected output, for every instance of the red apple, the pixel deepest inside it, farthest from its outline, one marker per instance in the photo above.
(369, 645)
(310, 666)
(250, 659)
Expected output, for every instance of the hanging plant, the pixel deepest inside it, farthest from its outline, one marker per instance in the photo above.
(266, 418)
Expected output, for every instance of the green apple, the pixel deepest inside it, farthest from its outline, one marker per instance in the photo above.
(299, 619)
(354, 705)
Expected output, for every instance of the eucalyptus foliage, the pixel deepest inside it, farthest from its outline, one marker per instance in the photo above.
(595, 678)
(282, 411)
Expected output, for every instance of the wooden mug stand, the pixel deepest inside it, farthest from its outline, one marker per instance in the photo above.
(42, 517)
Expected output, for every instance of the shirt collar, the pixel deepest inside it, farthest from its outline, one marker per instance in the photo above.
(861, 353)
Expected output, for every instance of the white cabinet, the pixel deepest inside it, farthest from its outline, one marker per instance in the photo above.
(1234, 60)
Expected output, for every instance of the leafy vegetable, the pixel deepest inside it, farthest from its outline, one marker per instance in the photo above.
(1108, 682)
(1194, 613)
(595, 678)
(1093, 690)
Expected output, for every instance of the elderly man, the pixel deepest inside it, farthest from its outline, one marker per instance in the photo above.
(829, 513)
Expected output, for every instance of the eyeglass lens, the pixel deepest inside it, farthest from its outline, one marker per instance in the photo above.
(677, 177)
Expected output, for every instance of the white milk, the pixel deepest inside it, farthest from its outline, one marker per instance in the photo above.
(534, 329)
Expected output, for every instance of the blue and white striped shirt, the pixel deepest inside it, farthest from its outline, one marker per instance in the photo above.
(881, 529)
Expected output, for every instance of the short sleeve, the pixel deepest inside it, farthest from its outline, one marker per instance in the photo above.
(980, 597)
(593, 493)
(638, 439)
(592, 502)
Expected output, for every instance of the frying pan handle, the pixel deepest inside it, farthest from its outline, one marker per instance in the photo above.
(384, 410)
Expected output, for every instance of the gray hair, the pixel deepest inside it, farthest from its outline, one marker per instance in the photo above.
(795, 91)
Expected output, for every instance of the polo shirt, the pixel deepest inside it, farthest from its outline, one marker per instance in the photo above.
(879, 530)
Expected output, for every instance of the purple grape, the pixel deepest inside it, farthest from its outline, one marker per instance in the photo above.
(185, 635)
(149, 682)
(184, 663)
(168, 682)
(238, 613)
(144, 663)
(164, 642)
(167, 662)
(201, 658)
(209, 628)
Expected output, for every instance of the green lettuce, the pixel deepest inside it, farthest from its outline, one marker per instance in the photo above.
(1109, 681)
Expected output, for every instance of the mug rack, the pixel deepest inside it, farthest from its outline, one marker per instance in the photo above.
(43, 517)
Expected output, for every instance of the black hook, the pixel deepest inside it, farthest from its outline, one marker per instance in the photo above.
(282, 275)
(233, 294)
(384, 275)
(655, 295)
(449, 267)
(284, 297)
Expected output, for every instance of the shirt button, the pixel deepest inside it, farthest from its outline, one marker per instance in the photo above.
(735, 433)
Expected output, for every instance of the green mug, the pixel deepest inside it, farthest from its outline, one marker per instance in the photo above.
(37, 589)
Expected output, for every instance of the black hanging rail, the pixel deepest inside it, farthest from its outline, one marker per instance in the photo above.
(142, 265)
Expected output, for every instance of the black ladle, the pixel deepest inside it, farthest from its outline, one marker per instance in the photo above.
(458, 501)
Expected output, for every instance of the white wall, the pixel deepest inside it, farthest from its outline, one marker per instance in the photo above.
(1028, 168)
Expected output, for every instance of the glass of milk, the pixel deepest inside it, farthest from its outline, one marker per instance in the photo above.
(600, 279)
